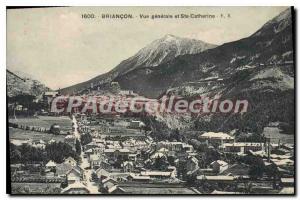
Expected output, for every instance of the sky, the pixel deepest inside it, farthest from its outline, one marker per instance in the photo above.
(60, 48)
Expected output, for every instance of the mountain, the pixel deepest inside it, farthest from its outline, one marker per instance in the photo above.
(149, 57)
(270, 44)
(161, 51)
(258, 68)
(16, 85)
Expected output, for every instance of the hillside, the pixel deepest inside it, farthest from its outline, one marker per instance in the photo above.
(17, 85)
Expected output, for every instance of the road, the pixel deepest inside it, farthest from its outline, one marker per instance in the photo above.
(85, 165)
(75, 126)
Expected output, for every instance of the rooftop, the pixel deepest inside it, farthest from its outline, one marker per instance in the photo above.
(155, 173)
(215, 178)
(219, 135)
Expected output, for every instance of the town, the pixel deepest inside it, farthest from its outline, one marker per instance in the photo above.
(118, 154)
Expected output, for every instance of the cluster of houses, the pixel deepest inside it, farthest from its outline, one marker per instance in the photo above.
(115, 165)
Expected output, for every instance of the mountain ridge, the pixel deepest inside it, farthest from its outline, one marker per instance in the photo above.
(217, 62)
(157, 52)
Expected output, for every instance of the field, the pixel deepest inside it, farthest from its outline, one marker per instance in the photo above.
(19, 134)
(65, 123)
(41, 121)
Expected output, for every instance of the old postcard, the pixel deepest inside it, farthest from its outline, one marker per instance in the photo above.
(151, 100)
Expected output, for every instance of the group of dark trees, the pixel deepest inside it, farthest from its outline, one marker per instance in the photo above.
(56, 151)
(258, 169)
(85, 138)
(27, 101)
(263, 107)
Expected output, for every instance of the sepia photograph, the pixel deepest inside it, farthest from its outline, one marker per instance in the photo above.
(150, 100)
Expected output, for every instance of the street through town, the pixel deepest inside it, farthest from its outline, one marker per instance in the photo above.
(87, 176)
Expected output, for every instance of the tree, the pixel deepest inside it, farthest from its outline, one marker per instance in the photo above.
(78, 147)
(272, 173)
(160, 163)
(191, 179)
(248, 187)
(59, 151)
(94, 177)
(86, 138)
(171, 160)
(257, 169)
(182, 170)
(211, 155)
(54, 151)
(15, 154)
(64, 184)
(54, 129)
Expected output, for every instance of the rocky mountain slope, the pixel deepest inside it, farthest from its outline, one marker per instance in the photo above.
(258, 68)
(270, 44)
(17, 85)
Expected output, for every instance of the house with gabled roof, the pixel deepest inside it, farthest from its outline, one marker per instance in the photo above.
(70, 161)
(74, 175)
(62, 169)
(51, 165)
(219, 166)
(76, 188)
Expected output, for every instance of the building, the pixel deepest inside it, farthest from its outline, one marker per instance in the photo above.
(128, 166)
(242, 147)
(95, 161)
(287, 182)
(51, 165)
(75, 175)
(157, 174)
(138, 178)
(192, 164)
(216, 138)
(175, 146)
(238, 169)
(76, 188)
(117, 153)
(102, 173)
(216, 179)
(287, 190)
(219, 166)
(71, 161)
(136, 124)
(135, 145)
(63, 169)
(91, 145)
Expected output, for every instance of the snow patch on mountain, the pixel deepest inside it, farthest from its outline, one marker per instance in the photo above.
(169, 47)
